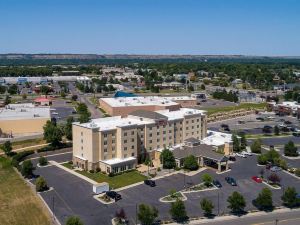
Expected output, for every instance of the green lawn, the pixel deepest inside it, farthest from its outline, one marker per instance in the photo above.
(116, 181)
(18, 204)
(255, 136)
(214, 110)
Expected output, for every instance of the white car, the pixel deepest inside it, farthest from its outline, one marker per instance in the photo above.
(247, 153)
(241, 155)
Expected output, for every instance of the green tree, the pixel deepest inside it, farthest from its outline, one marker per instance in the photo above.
(236, 202)
(236, 143)
(41, 184)
(290, 149)
(24, 96)
(27, 168)
(262, 159)
(167, 159)
(68, 128)
(43, 161)
(243, 141)
(74, 220)
(207, 179)
(63, 94)
(13, 89)
(190, 163)
(264, 200)
(7, 100)
(7, 148)
(289, 197)
(84, 117)
(276, 130)
(52, 133)
(178, 211)
(147, 214)
(207, 206)
(74, 97)
(256, 146)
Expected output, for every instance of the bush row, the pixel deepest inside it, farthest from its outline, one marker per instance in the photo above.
(52, 148)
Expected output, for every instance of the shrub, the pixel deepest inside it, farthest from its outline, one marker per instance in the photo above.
(41, 184)
(158, 169)
(111, 174)
(264, 200)
(262, 159)
(297, 172)
(178, 211)
(74, 220)
(91, 171)
(43, 161)
(236, 202)
(256, 146)
(274, 178)
(98, 170)
(207, 179)
(27, 169)
(20, 156)
(289, 197)
(290, 149)
(207, 206)
(190, 163)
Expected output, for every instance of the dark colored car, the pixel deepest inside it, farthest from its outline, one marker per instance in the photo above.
(232, 158)
(260, 119)
(151, 183)
(217, 183)
(114, 195)
(287, 122)
(231, 181)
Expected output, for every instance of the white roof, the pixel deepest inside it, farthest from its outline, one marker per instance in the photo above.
(24, 111)
(118, 160)
(216, 138)
(179, 114)
(147, 100)
(109, 123)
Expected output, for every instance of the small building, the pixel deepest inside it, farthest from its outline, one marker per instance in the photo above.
(205, 154)
(221, 142)
(22, 80)
(43, 101)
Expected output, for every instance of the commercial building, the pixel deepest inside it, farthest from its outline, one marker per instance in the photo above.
(114, 143)
(126, 105)
(285, 108)
(23, 119)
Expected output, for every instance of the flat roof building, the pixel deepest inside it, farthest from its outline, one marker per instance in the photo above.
(122, 106)
(113, 144)
(22, 119)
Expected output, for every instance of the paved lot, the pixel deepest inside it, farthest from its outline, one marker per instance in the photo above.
(73, 195)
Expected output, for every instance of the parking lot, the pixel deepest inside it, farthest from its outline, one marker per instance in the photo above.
(73, 195)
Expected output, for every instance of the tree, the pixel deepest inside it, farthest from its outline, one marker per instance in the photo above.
(202, 87)
(289, 197)
(52, 133)
(243, 142)
(43, 161)
(276, 130)
(63, 94)
(27, 169)
(7, 100)
(74, 220)
(120, 215)
(207, 179)
(167, 159)
(7, 148)
(24, 96)
(264, 200)
(178, 211)
(207, 206)
(235, 143)
(274, 178)
(256, 146)
(190, 163)
(236, 202)
(74, 97)
(41, 184)
(147, 214)
(68, 128)
(13, 89)
(290, 149)
(85, 117)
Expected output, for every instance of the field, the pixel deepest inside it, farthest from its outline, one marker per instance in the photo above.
(214, 110)
(18, 205)
(116, 181)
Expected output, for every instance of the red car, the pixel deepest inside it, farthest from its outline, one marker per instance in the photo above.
(257, 179)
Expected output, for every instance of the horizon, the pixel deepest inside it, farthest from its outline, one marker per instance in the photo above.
(151, 27)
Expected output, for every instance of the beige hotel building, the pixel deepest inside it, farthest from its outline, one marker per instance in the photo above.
(114, 143)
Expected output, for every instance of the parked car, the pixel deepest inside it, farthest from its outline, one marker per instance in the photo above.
(260, 118)
(247, 153)
(231, 181)
(296, 134)
(151, 183)
(241, 122)
(268, 166)
(241, 155)
(257, 179)
(114, 195)
(287, 122)
(232, 158)
(275, 168)
(217, 183)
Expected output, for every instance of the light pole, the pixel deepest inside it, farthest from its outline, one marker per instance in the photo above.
(276, 221)
(136, 214)
(218, 203)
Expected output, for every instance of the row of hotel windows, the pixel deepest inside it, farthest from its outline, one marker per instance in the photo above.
(114, 156)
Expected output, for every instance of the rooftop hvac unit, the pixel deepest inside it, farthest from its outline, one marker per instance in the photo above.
(36, 115)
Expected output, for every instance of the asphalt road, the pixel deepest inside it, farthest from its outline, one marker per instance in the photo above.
(73, 196)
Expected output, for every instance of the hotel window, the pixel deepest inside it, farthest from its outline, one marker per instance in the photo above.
(105, 150)
(150, 135)
(150, 141)
(132, 132)
(157, 146)
(132, 139)
(132, 154)
(81, 141)
(132, 147)
(113, 141)
(142, 136)
(113, 135)
(164, 132)
(105, 142)
(81, 148)
(125, 155)
(113, 156)
(187, 128)
(192, 127)
(197, 126)
(170, 131)
(157, 140)
(197, 120)
(81, 133)
(125, 148)
(150, 128)
(187, 122)
(180, 122)
(157, 127)
(157, 133)
(125, 141)
(164, 138)
(150, 148)
(113, 148)
(180, 128)
(164, 126)
(125, 134)
(187, 134)
(192, 133)
(105, 135)
(192, 121)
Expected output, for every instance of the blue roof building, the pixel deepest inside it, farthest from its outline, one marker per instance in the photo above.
(123, 94)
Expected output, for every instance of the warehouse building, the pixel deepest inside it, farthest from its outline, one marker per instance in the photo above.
(123, 106)
(23, 119)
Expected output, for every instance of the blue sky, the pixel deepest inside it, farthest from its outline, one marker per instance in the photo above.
(249, 27)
